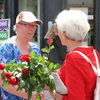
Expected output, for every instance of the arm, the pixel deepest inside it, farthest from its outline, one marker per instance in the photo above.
(22, 93)
(12, 90)
(6, 55)
(73, 76)
(55, 95)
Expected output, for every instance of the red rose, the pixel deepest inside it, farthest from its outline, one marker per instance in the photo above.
(49, 41)
(8, 75)
(25, 72)
(20, 58)
(25, 57)
(13, 81)
(2, 66)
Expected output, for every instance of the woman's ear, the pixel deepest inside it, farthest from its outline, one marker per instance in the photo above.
(16, 24)
(15, 28)
(64, 32)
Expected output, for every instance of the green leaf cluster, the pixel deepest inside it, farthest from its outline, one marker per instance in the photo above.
(39, 73)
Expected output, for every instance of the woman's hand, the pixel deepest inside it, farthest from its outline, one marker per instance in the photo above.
(48, 88)
(34, 96)
(55, 95)
(42, 95)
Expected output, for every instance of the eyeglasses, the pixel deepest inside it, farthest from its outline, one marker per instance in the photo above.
(28, 25)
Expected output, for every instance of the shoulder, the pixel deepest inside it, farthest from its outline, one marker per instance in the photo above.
(8, 46)
(35, 48)
(74, 59)
(78, 58)
(88, 51)
(9, 42)
(72, 55)
(34, 45)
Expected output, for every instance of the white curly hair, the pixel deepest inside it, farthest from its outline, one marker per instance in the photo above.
(74, 23)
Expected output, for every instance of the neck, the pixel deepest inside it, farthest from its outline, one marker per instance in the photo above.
(74, 44)
(21, 41)
(22, 45)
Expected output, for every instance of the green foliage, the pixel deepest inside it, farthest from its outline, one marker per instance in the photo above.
(39, 69)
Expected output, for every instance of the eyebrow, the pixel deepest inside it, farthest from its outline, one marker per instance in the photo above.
(21, 23)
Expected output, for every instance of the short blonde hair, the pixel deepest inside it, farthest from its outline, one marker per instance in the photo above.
(74, 22)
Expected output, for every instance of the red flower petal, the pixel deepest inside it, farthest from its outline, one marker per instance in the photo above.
(2, 66)
(25, 72)
(8, 75)
(25, 57)
(13, 81)
(49, 41)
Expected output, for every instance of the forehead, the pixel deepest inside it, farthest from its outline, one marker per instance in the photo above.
(34, 23)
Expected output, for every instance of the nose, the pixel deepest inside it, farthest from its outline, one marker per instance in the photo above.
(32, 30)
(33, 27)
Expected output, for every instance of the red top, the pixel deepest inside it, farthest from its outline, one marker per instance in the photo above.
(78, 75)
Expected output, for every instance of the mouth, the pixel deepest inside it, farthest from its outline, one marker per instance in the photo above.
(30, 33)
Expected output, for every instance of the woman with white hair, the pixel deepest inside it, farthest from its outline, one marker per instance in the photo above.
(76, 73)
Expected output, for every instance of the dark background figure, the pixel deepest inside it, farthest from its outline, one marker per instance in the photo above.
(57, 55)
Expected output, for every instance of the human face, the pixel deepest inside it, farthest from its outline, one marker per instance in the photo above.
(62, 38)
(27, 30)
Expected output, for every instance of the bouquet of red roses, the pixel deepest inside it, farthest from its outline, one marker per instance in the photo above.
(32, 74)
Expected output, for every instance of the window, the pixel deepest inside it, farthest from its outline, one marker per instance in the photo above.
(87, 7)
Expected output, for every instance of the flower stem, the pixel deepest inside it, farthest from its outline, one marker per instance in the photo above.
(38, 97)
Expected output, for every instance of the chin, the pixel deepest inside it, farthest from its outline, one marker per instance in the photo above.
(29, 38)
